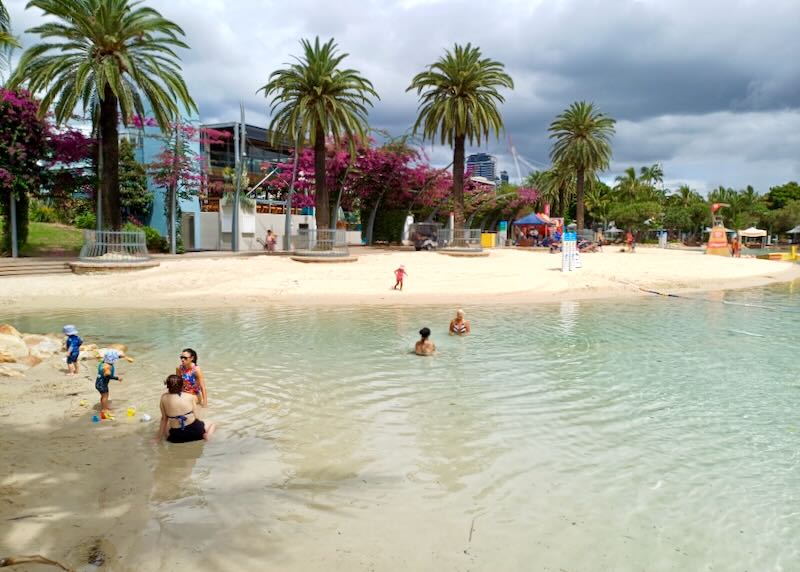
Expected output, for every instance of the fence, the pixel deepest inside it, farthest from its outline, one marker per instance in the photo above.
(468, 239)
(320, 242)
(114, 246)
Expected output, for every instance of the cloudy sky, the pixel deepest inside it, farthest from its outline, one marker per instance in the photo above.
(707, 88)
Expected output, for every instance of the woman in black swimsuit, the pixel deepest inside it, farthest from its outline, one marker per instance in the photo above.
(179, 422)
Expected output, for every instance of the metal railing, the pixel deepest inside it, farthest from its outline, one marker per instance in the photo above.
(108, 246)
(320, 242)
(466, 239)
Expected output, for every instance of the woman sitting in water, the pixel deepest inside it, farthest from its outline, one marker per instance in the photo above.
(179, 422)
(459, 326)
(424, 347)
(193, 380)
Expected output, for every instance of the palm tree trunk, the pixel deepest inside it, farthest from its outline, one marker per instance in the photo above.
(562, 201)
(458, 180)
(579, 199)
(321, 194)
(109, 178)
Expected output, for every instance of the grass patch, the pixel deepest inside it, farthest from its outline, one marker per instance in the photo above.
(51, 239)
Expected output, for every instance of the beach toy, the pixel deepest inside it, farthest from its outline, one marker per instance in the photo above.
(106, 415)
(95, 419)
(145, 417)
(131, 411)
(82, 403)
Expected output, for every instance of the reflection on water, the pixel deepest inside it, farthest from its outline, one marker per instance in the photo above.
(655, 434)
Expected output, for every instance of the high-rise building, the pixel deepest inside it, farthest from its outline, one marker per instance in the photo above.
(482, 165)
(504, 176)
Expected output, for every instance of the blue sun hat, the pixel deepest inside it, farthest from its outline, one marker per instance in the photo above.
(111, 356)
(70, 330)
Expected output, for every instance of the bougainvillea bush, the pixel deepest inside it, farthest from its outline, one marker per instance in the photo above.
(34, 157)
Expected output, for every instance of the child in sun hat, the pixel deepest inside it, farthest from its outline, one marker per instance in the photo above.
(105, 373)
(73, 345)
(398, 275)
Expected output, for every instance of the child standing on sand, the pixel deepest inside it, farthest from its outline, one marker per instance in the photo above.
(105, 373)
(73, 345)
(398, 275)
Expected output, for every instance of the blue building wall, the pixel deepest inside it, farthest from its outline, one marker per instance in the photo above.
(149, 143)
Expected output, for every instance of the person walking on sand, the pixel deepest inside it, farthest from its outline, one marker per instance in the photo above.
(73, 345)
(179, 422)
(629, 241)
(424, 347)
(398, 275)
(105, 373)
(458, 325)
(193, 380)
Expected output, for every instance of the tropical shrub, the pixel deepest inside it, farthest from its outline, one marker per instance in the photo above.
(41, 212)
(86, 220)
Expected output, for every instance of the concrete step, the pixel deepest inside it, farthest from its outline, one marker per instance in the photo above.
(27, 267)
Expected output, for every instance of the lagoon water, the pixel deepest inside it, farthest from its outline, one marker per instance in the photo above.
(653, 434)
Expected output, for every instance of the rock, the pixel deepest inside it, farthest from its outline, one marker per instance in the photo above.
(9, 330)
(12, 347)
(12, 370)
(42, 346)
(30, 361)
(88, 347)
(121, 348)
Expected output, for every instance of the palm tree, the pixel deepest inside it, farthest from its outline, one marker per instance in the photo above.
(458, 99)
(7, 41)
(628, 185)
(582, 140)
(107, 55)
(652, 175)
(598, 201)
(316, 98)
(558, 186)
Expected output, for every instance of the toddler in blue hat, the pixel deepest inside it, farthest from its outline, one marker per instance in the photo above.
(73, 344)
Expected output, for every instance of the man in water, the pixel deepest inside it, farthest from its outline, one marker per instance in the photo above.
(424, 347)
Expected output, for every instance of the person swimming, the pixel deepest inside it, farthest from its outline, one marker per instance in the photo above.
(459, 326)
(424, 347)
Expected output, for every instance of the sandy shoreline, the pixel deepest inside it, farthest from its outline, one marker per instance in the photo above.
(506, 276)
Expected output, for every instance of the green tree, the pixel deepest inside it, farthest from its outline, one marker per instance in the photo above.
(780, 195)
(628, 186)
(558, 187)
(109, 56)
(316, 98)
(135, 198)
(458, 100)
(652, 175)
(599, 199)
(582, 141)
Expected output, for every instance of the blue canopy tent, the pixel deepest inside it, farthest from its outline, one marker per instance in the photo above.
(530, 219)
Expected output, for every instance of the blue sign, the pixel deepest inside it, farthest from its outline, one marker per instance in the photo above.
(570, 236)
(503, 225)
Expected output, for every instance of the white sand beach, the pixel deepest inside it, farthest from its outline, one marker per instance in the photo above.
(514, 276)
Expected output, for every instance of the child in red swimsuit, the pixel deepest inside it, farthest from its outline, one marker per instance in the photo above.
(399, 274)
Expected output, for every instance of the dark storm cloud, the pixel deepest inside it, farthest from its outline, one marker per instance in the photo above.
(692, 84)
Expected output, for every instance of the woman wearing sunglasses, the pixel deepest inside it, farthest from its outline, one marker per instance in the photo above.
(192, 376)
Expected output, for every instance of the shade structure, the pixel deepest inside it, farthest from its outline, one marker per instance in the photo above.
(752, 232)
(530, 219)
(795, 230)
(612, 230)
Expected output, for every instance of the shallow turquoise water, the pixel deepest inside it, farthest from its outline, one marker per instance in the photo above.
(654, 434)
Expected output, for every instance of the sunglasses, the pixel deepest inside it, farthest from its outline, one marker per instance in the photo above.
(185, 357)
